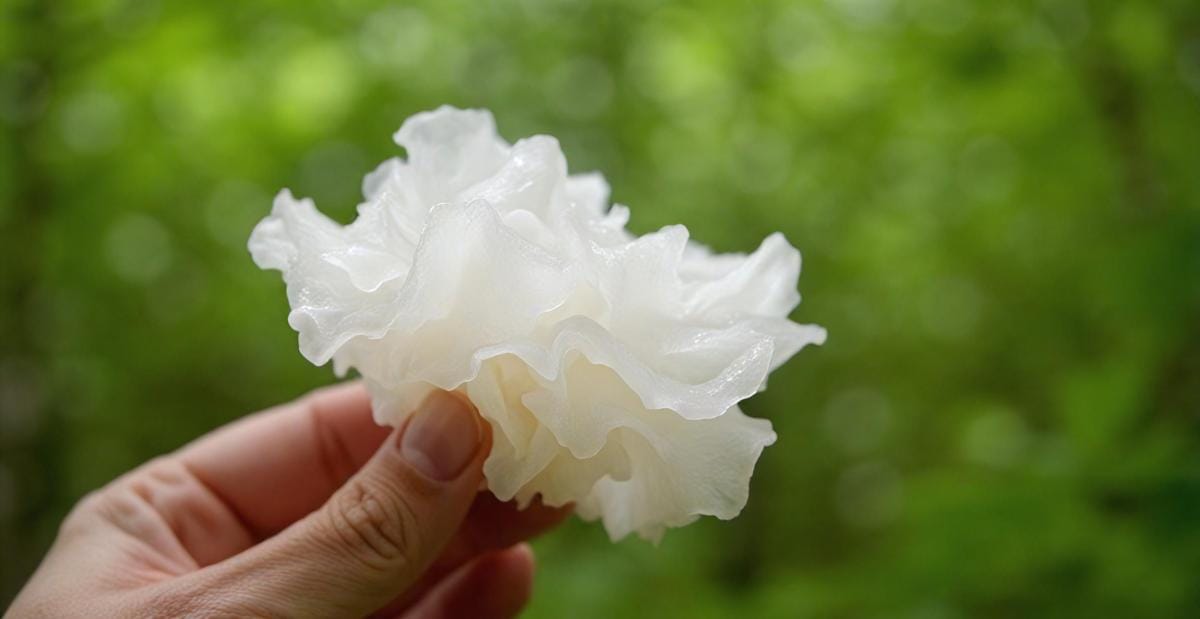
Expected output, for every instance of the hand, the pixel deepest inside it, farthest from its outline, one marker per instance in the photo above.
(308, 509)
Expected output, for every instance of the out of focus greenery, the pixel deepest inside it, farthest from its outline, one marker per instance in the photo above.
(998, 205)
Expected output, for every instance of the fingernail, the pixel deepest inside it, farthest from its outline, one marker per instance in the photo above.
(441, 437)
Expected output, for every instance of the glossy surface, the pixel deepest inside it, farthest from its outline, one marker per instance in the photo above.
(609, 365)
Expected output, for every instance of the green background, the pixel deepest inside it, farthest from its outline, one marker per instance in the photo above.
(998, 205)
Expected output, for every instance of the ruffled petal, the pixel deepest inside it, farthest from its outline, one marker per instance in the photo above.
(449, 150)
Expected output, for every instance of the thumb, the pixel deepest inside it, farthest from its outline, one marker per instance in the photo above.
(375, 536)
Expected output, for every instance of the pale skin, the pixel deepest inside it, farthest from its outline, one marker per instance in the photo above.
(308, 509)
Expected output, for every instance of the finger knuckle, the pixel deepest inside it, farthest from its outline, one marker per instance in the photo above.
(376, 525)
(92, 514)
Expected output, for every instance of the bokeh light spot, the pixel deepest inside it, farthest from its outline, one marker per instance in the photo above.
(138, 248)
(869, 495)
(996, 437)
(857, 420)
(395, 37)
(314, 86)
(92, 122)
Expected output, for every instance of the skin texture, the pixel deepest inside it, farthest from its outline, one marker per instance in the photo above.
(305, 510)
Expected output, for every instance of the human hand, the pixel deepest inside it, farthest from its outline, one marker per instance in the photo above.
(308, 509)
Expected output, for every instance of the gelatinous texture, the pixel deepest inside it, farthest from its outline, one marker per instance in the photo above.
(610, 366)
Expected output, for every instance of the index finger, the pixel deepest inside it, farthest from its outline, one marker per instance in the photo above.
(274, 467)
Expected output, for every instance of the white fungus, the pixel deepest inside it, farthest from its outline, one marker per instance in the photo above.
(610, 366)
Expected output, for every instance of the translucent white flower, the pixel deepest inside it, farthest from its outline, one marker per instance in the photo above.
(609, 366)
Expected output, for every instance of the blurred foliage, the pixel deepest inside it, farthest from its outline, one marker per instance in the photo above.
(998, 205)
